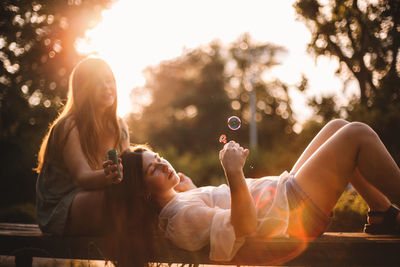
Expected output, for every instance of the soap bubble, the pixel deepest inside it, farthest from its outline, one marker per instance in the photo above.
(222, 139)
(234, 123)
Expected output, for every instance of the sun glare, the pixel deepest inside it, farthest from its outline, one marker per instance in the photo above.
(136, 34)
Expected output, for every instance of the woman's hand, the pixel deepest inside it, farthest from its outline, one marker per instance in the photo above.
(110, 170)
(243, 212)
(185, 183)
(233, 157)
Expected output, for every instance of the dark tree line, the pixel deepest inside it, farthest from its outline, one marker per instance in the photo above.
(365, 37)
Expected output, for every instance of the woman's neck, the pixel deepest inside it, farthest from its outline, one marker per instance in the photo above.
(100, 112)
(165, 198)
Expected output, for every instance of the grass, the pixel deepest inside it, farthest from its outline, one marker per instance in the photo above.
(349, 213)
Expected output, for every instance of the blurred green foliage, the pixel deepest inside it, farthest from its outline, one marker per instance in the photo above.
(349, 213)
(21, 212)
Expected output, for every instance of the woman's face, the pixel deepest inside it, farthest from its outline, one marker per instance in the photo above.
(158, 174)
(105, 90)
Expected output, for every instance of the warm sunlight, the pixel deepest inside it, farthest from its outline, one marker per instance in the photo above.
(136, 34)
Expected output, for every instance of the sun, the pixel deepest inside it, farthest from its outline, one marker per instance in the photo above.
(120, 47)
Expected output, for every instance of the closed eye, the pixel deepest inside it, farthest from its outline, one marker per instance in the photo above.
(149, 168)
(152, 170)
(152, 166)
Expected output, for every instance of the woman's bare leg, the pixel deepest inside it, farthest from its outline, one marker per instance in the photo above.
(326, 173)
(324, 134)
(86, 214)
(375, 199)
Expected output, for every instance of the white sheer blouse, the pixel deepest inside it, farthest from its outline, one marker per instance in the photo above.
(196, 218)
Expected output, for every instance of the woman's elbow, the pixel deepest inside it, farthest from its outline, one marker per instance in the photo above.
(246, 229)
(81, 181)
(251, 227)
(87, 182)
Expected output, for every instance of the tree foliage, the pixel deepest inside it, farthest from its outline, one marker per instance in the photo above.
(37, 52)
(365, 37)
(194, 94)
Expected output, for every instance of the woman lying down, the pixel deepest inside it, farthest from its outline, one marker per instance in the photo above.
(293, 204)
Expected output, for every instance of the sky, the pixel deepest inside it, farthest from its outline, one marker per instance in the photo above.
(134, 34)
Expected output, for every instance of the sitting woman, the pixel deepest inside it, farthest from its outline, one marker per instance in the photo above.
(296, 204)
(72, 162)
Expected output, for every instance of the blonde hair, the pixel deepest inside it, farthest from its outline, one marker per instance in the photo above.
(80, 111)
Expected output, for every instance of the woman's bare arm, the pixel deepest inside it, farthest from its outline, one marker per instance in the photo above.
(125, 138)
(243, 212)
(79, 168)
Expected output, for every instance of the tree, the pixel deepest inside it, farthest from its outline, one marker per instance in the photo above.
(364, 36)
(37, 52)
(195, 93)
(249, 61)
(184, 91)
(188, 109)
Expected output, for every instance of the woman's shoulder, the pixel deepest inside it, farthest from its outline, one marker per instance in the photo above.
(66, 123)
(122, 123)
(124, 134)
(121, 120)
(182, 200)
(64, 127)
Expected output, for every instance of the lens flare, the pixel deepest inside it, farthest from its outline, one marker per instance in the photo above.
(297, 230)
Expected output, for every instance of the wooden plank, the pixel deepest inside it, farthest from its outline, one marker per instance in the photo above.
(19, 229)
(329, 249)
(337, 249)
(16, 239)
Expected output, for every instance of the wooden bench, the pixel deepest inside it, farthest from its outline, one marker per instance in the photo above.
(25, 241)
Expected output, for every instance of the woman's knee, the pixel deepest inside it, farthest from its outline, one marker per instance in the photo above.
(334, 125)
(86, 213)
(360, 131)
(337, 123)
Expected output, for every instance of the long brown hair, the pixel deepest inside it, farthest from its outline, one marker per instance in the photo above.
(133, 216)
(80, 111)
